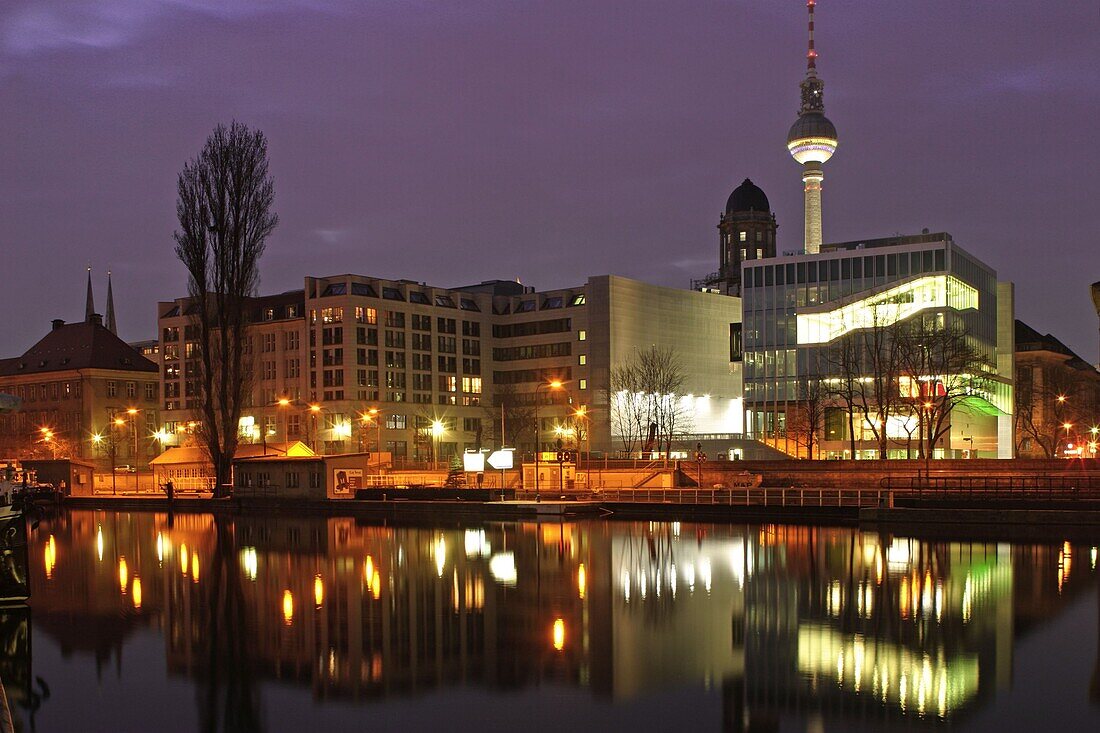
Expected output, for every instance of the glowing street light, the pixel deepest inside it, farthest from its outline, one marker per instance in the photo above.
(552, 384)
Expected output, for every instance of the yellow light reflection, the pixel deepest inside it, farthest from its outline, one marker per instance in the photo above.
(99, 541)
(440, 555)
(582, 581)
(368, 568)
(160, 548)
(183, 559)
(123, 574)
(376, 585)
(195, 567)
(318, 591)
(559, 634)
(288, 607)
(137, 592)
(51, 557)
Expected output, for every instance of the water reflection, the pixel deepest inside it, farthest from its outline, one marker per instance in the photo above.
(820, 624)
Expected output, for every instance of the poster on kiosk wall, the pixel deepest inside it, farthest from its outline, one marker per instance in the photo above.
(346, 480)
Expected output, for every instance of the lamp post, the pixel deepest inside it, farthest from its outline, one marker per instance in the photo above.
(314, 411)
(373, 415)
(1067, 426)
(555, 384)
(437, 432)
(581, 413)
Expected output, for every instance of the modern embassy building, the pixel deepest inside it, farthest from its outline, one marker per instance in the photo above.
(431, 367)
(797, 308)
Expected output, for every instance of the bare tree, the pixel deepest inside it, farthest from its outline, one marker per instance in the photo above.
(806, 421)
(224, 209)
(877, 389)
(626, 408)
(645, 395)
(939, 370)
(842, 364)
(1047, 399)
(519, 418)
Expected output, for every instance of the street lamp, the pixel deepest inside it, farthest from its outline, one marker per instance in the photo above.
(314, 411)
(554, 384)
(437, 432)
(373, 415)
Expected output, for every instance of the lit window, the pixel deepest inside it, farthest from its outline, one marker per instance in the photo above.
(583, 383)
(744, 253)
(759, 236)
(759, 253)
(582, 359)
(582, 335)
(744, 236)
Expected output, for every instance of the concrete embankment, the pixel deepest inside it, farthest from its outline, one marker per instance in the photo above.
(871, 474)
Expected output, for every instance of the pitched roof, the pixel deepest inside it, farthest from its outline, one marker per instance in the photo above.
(85, 345)
(1028, 339)
(195, 454)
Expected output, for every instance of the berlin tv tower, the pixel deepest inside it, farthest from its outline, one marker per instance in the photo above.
(812, 141)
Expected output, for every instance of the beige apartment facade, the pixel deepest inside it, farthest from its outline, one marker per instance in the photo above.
(354, 363)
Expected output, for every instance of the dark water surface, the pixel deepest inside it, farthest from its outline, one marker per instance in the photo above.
(263, 623)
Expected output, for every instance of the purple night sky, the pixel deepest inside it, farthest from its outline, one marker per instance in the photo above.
(453, 142)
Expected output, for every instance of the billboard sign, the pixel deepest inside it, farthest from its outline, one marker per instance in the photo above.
(346, 480)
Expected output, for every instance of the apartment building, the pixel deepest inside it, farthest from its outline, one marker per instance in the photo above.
(431, 368)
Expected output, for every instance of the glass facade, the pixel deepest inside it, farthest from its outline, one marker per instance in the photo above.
(796, 309)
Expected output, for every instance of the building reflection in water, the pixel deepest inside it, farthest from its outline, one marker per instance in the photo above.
(823, 623)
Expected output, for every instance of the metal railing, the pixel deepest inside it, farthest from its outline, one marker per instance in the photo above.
(1027, 487)
(758, 496)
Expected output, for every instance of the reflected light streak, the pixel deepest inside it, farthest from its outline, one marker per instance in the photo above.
(123, 574)
(318, 591)
(502, 567)
(137, 592)
(50, 557)
(288, 607)
(99, 541)
(559, 634)
(582, 581)
(194, 567)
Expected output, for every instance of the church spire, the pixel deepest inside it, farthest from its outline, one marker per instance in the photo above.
(89, 304)
(111, 325)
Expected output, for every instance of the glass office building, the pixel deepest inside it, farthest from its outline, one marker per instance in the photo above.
(797, 308)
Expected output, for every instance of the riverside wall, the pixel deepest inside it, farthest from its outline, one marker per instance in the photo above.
(870, 474)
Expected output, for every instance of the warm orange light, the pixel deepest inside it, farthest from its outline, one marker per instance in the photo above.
(582, 581)
(376, 585)
(284, 402)
(556, 384)
(288, 607)
(318, 591)
(373, 411)
(137, 592)
(132, 411)
(928, 405)
(1061, 398)
(1067, 425)
(183, 559)
(119, 421)
(195, 567)
(559, 634)
(581, 411)
(314, 408)
(50, 557)
(123, 574)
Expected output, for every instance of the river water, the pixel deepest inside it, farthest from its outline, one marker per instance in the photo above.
(142, 622)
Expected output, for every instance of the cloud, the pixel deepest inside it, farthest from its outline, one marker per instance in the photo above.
(43, 26)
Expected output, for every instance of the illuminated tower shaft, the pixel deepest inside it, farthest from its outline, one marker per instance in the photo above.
(812, 176)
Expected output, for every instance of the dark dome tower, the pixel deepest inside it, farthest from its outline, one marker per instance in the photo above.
(746, 232)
